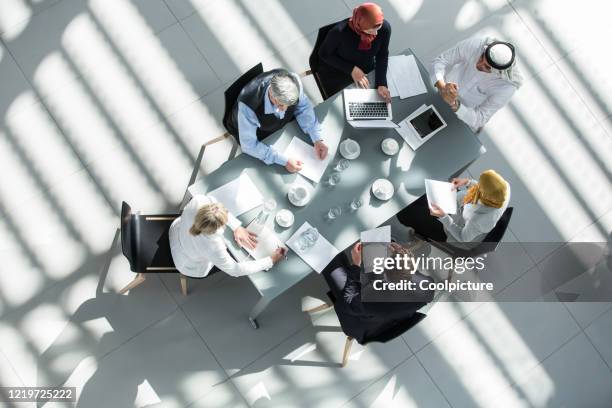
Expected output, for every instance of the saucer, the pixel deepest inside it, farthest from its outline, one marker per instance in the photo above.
(302, 202)
(385, 186)
(285, 214)
(345, 154)
(393, 147)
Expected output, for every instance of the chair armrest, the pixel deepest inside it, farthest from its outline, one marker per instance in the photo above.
(305, 73)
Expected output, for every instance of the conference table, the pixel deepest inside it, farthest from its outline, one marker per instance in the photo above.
(446, 154)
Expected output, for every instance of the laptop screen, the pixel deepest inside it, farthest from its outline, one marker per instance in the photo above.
(427, 122)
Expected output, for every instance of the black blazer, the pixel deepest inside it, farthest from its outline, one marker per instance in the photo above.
(364, 320)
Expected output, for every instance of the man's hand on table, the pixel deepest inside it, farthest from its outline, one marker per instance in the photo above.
(320, 149)
(293, 165)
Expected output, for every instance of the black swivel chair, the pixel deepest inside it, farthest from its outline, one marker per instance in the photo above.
(489, 243)
(231, 96)
(145, 244)
(370, 330)
(313, 61)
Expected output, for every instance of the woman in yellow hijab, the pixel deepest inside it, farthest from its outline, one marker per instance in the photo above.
(480, 204)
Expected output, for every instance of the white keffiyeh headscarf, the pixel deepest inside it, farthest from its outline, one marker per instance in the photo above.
(502, 55)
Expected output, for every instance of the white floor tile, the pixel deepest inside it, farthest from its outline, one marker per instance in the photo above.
(75, 315)
(478, 359)
(564, 29)
(308, 365)
(407, 386)
(168, 362)
(574, 376)
(221, 396)
(155, 13)
(231, 51)
(225, 326)
(599, 333)
(15, 15)
(548, 174)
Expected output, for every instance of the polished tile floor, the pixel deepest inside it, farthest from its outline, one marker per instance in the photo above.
(110, 100)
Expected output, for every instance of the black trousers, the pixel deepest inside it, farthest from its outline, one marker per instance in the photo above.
(417, 216)
(335, 275)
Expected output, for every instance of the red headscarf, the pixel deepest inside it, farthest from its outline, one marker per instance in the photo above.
(366, 16)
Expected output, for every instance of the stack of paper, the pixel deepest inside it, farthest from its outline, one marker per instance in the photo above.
(312, 167)
(267, 242)
(441, 194)
(404, 78)
(319, 256)
(239, 195)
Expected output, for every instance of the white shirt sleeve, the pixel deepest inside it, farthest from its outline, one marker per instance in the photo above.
(467, 233)
(461, 52)
(478, 116)
(219, 256)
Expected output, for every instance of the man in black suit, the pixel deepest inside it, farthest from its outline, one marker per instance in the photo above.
(363, 320)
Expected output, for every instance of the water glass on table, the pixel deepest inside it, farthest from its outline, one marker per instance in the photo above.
(334, 213)
(333, 179)
(342, 165)
(356, 203)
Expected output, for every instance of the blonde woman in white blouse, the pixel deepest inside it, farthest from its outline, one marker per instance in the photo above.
(196, 241)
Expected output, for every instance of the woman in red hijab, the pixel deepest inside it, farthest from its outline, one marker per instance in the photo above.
(352, 48)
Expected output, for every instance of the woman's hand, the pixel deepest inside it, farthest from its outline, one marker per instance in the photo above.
(459, 182)
(360, 78)
(278, 255)
(356, 254)
(436, 211)
(384, 93)
(245, 238)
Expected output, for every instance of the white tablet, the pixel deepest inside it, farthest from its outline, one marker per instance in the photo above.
(421, 126)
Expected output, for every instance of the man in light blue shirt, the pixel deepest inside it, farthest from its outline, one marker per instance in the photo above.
(264, 106)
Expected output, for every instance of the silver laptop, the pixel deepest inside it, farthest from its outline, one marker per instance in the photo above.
(365, 108)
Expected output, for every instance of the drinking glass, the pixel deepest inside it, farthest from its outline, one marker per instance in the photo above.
(333, 179)
(356, 203)
(342, 165)
(308, 238)
(334, 213)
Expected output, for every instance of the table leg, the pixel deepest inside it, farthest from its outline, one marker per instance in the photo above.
(261, 304)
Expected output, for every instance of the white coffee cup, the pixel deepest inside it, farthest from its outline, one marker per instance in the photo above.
(298, 195)
(390, 146)
(349, 149)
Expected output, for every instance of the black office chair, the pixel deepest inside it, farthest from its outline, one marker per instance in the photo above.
(489, 243)
(382, 334)
(313, 61)
(145, 244)
(231, 96)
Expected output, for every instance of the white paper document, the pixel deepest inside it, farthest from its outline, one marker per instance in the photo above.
(267, 242)
(382, 234)
(406, 76)
(442, 194)
(239, 195)
(312, 167)
(317, 257)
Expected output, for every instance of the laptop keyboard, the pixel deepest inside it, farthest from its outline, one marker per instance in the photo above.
(368, 109)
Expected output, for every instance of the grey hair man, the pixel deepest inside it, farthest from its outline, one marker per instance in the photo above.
(265, 105)
(477, 77)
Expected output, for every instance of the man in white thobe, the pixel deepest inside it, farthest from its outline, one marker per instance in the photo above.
(477, 77)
